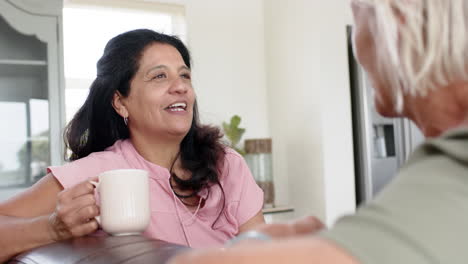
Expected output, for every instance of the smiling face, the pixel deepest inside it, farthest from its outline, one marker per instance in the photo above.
(161, 98)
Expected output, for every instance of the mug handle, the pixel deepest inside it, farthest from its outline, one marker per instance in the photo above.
(96, 185)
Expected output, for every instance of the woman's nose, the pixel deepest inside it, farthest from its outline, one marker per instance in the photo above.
(179, 86)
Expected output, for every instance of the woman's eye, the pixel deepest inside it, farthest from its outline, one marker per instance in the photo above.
(160, 76)
(186, 76)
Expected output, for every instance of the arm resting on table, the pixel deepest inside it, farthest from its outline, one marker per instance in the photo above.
(24, 218)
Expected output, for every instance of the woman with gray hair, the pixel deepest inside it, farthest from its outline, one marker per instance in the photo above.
(416, 55)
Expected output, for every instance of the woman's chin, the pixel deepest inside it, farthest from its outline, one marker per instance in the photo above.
(178, 132)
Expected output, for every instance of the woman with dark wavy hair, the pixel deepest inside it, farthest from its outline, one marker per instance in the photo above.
(140, 113)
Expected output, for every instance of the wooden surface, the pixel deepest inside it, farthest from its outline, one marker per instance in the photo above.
(101, 250)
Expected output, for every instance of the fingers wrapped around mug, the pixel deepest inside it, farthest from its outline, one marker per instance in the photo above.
(74, 213)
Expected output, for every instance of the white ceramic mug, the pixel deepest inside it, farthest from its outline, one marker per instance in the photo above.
(124, 201)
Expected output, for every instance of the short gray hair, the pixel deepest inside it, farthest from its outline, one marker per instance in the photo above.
(421, 44)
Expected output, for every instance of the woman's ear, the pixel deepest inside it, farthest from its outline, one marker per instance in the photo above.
(118, 104)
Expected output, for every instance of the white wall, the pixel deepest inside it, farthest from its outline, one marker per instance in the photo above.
(338, 155)
(294, 106)
(226, 39)
(309, 104)
(282, 66)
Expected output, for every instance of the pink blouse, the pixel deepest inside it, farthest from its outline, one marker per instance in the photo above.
(171, 220)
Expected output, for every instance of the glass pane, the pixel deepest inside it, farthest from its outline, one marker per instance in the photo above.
(13, 137)
(40, 152)
(100, 25)
(24, 156)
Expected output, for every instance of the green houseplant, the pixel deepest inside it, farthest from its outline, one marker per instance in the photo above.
(234, 133)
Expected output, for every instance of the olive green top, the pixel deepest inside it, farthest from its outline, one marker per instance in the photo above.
(421, 216)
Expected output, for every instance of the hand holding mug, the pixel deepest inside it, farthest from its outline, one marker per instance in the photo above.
(74, 213)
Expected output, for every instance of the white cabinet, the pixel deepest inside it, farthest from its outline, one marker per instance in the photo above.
(31, 91)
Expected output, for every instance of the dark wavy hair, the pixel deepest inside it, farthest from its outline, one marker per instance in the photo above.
(97, 125)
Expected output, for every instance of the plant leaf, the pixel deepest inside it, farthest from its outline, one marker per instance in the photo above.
(233, 132)
(235, 121)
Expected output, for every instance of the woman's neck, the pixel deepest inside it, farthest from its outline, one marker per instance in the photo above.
(162, 152)
(442, 109)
